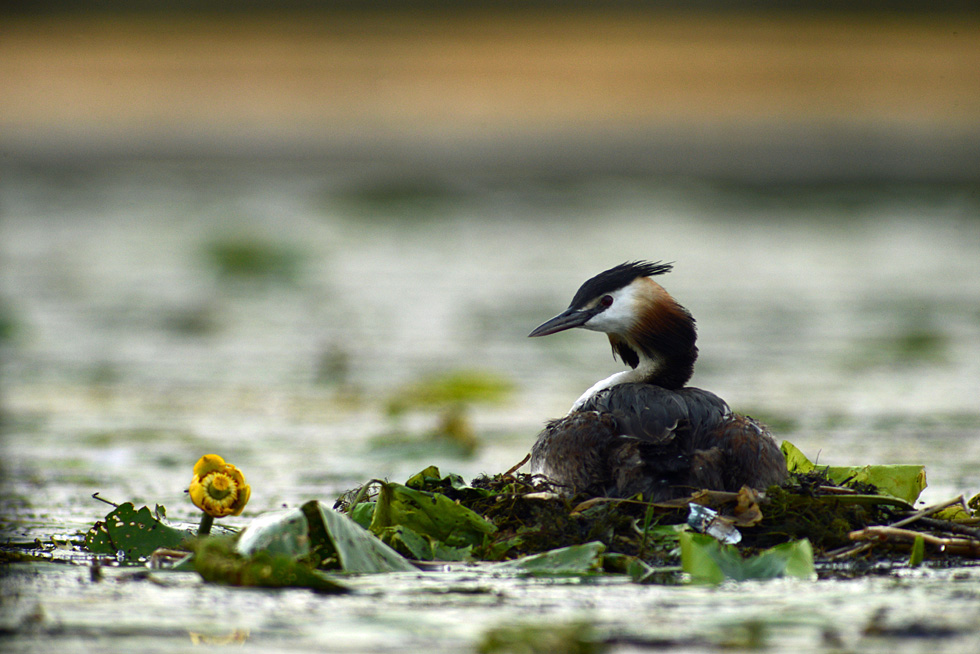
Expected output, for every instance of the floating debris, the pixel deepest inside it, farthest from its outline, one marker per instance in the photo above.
(707, 521)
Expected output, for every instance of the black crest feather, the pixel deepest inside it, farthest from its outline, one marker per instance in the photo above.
(616, 278)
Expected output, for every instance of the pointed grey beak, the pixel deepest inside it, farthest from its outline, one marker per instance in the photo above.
(565, 320)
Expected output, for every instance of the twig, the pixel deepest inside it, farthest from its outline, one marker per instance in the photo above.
(95, 496)
(929, 510)
(518, 466)
(952, 527)
(836, 490)
(950, 545)
(362, 494)
(851, 550)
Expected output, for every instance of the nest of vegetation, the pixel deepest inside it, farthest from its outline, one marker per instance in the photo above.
(532, 516)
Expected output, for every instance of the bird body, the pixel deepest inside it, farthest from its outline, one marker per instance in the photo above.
(643, 430)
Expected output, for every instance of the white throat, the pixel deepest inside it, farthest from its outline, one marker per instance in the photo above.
(644, 371)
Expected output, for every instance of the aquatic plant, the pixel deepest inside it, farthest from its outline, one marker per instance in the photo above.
(218, 489)
(515, 523)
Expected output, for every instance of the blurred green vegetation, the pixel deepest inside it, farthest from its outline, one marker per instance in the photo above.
(9, 326)
(253, 257)
(451, 389)
(404, 198)
(450, 395)
(571, 638)
(910, 347)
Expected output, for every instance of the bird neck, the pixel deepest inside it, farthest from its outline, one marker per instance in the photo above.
(660, 347)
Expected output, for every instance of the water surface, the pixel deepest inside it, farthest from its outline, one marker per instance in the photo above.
(846, 316)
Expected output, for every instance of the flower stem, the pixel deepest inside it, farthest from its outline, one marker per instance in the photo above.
(206, 521)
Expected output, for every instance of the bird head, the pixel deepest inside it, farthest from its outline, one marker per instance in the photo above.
(613, 301)
(644, 323)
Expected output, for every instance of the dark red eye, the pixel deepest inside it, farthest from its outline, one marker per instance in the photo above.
(606, 300)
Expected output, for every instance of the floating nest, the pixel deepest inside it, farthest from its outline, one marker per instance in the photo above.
(840, 521)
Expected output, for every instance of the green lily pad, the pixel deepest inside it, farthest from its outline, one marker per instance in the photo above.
(135, 533)
(574, 560)
(429, 514)
(710, 562)
(217, 561)
(903, 481)
(320, 536)
(278, 532)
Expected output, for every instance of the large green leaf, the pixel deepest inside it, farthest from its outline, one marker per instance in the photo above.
(358, 550)
(428, 514)
(320, 534)
(421, 548)
(217, 561)
(362, 514)
(573, 560)
(277, 532)
(710, 562)
(406, 542)
(903, 481)
(135, 533)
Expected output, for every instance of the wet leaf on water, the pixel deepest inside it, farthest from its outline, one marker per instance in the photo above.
(217, 561)
(710, 562)
(903, 481)
(318, 535)
(358, 550)
(277, 532)
(136, 533)
(573, 560)
(429, 514)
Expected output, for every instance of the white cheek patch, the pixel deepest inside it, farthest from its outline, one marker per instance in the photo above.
(619, 317)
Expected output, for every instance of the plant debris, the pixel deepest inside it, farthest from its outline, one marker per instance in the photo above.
(839, 512)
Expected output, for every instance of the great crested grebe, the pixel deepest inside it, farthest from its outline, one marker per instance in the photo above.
(642, 430)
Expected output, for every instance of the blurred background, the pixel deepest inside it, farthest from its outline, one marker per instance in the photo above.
(312, 237)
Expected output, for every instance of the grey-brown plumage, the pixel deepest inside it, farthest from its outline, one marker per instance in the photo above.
(644, 431)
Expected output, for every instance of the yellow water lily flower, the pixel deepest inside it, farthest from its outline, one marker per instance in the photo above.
(218, 488)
